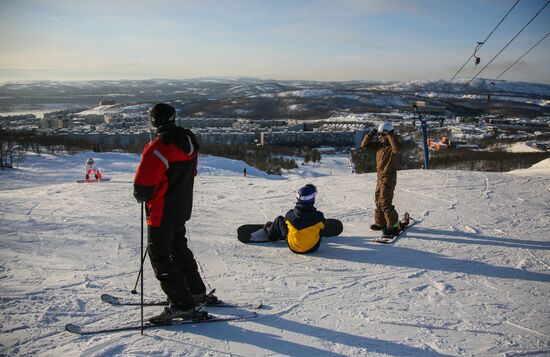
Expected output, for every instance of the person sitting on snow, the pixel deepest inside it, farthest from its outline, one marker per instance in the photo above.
(91, 166)
(301, 226)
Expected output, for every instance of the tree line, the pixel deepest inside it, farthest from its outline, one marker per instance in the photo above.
(273, 159)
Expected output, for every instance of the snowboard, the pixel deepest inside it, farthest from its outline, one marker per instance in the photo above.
(406, 222)
(333, 228)
(94, 180)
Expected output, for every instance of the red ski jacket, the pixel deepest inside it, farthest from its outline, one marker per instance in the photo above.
(166, 175)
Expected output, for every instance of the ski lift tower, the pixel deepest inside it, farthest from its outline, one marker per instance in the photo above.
(424, 127)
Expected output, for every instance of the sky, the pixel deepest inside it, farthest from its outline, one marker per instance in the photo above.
(325, 40)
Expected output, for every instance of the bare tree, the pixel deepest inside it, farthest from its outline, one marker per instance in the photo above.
(10, 154)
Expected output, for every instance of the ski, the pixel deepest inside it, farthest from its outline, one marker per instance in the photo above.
(118, 301)
(80, 330)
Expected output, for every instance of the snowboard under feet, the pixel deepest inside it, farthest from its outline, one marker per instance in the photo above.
(405, 223)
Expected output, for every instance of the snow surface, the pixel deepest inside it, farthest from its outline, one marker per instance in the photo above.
(521, 147)
(471, 278)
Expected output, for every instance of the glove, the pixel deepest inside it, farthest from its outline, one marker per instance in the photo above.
(373, 132)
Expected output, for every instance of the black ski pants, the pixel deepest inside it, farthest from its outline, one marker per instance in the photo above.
(278, 229)
(174, 265)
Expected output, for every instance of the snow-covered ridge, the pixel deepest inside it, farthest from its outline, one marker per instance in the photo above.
(457, 86)
(303, 89)
(306, 93)
(541, 168)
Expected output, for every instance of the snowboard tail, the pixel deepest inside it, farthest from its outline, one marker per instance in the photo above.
(333, 228)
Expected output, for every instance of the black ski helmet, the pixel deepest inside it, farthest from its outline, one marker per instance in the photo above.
(162, 114)
(312, 186)
(306, 195)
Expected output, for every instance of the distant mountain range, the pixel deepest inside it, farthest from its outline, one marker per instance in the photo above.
(254, 98)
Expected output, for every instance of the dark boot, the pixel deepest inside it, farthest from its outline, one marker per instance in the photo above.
(169, 313)
(206, 300)
(376, 227)
(391, 231)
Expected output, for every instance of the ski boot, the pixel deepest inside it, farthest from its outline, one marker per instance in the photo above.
(204, 299)
(259, 236)
(169, 313)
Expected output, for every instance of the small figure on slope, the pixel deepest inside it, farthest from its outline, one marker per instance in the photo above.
(387, 148)
(91, 167)
(301, 227)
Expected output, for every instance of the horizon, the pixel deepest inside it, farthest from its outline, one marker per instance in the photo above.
(317, 40)
(456, 81)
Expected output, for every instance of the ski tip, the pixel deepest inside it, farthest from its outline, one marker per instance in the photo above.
(72, 328)
(254, 315)
(109, 299)
(249, 315)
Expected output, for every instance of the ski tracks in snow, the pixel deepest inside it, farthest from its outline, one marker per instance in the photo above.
(468, 280)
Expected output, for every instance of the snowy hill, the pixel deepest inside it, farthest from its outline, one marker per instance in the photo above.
(480, 84)
(471, 278)
(259, 99)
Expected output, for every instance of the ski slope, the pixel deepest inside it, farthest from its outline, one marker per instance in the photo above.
(471, 278)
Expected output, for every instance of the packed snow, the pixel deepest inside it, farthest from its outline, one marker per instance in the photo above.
(521, 147)
(472, 277)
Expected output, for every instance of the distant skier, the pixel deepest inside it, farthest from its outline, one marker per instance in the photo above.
(301, 226)
(387, 148)
(164, 180)
(244, 172)
(91, 166)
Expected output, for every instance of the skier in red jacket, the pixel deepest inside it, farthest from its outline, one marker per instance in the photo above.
(164, 180)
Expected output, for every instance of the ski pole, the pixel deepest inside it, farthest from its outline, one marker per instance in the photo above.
(141, 269)
(134, 291)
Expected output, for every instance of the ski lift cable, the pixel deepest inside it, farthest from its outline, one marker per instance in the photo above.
(519, 59)
(480, 44)
(509, 42)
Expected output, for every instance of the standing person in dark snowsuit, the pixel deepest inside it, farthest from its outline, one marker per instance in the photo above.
(387, 147)
(164, 180)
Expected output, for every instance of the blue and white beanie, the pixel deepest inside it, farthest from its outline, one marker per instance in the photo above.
(306, 195)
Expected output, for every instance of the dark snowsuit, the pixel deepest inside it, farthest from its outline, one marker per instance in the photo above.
(386, 172)
(164, 180)
(305, 225)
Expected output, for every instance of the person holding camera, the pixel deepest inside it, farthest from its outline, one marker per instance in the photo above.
(387, 148)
